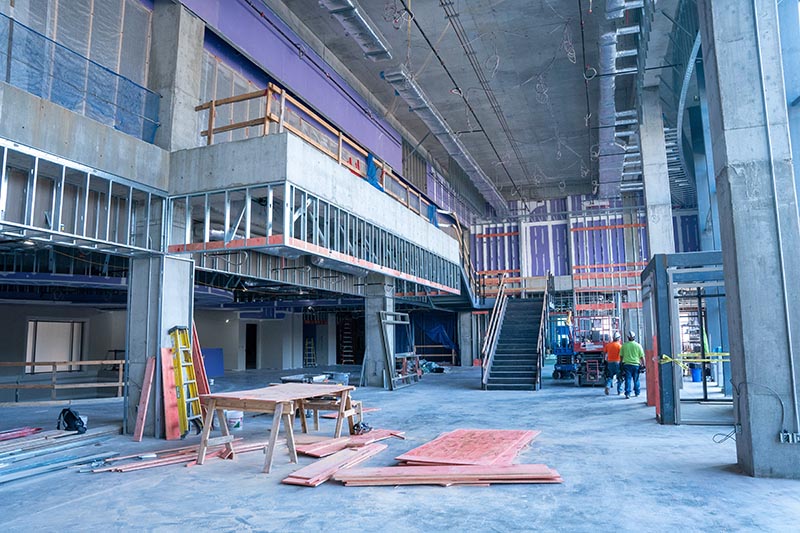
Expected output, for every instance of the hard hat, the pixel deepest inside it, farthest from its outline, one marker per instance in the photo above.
(631, 336)
(616, 335)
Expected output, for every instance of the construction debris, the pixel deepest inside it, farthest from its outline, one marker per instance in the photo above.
(321, 471)
(363, 410)
(331, 446)
(38, 452)
(18, 432)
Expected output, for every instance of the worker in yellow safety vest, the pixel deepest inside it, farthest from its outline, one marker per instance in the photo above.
(632, 356)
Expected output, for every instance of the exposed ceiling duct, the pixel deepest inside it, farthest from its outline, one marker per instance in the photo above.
(350, 15)
(418, 102)
(611, 151)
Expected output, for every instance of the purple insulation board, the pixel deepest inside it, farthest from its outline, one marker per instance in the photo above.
(560, 250)
(539, 245)
(270, 43)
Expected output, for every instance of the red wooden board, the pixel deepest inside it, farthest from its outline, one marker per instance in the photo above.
(171, 418)
(321, 471)
(471, 447)
(199, 363)
(144, 399)
(449, 475)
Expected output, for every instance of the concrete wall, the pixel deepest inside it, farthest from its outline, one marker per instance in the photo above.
(219, 329)
(35, 122)
(247, 162)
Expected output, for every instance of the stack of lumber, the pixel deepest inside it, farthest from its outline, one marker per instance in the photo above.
(18, 433)
(185, 455)
(328, 447)
(321, 471)
(39, 451)
(448, 475)
(460, 457)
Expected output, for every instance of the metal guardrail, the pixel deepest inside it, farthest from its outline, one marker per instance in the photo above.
(492, 330)
(54, 386)
(50, 70)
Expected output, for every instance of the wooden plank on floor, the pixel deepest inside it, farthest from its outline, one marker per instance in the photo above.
(144, 399)
(448, 475)
(171, 418)
(321, 471)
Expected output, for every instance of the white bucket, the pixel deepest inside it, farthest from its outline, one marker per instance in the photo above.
(234, 419)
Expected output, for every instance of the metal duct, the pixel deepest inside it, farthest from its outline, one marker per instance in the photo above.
(611, 153)
(418, 102)
(359, 27)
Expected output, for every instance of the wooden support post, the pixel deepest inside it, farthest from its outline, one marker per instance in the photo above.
(340, 148)
(211, 112)
(273, 436)
(201, 451)
(282, 112)
(267, 110)
(345, 401)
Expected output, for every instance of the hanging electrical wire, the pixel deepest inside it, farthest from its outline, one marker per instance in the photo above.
(456, 86)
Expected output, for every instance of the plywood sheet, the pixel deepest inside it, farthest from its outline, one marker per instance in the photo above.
(471, 447)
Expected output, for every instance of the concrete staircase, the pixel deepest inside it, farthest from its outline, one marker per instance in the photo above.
(515, 365)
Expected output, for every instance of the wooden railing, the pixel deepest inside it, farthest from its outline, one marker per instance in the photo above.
(287, 113)
(492, 331)
(53, 384)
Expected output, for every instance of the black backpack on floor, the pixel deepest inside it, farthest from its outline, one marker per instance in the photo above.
(70, 421)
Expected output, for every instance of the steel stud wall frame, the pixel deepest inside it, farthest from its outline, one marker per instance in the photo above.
(48, 199)
(281, 219)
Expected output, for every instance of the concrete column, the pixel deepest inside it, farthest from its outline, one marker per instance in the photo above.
(657, 197)
(759, 225)
(465, 334)
(789, 20)
(160, 296)
(331, 343)
(176, 68)
(379, 297)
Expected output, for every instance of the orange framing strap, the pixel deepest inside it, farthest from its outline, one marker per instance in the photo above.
(610, 265)
(489, 235)
(614, 226)
(489, 272)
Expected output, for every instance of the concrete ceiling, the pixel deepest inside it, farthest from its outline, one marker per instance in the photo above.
(531, 53)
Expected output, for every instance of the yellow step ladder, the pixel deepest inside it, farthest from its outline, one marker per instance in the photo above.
(189, 408)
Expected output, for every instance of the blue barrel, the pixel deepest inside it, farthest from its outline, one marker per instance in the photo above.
(697, 375)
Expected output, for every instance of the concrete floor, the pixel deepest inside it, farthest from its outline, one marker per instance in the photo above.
(621, 470)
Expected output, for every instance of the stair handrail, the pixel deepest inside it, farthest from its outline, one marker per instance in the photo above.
(466, 258)
(492, 329)
(542, 330)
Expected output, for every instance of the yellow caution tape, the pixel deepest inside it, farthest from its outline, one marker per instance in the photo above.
(682, 359)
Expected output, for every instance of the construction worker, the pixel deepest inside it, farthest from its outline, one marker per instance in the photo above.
(632, 356)
(611, 350)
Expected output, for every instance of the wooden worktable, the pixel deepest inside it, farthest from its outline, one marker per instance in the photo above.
(282, 400)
